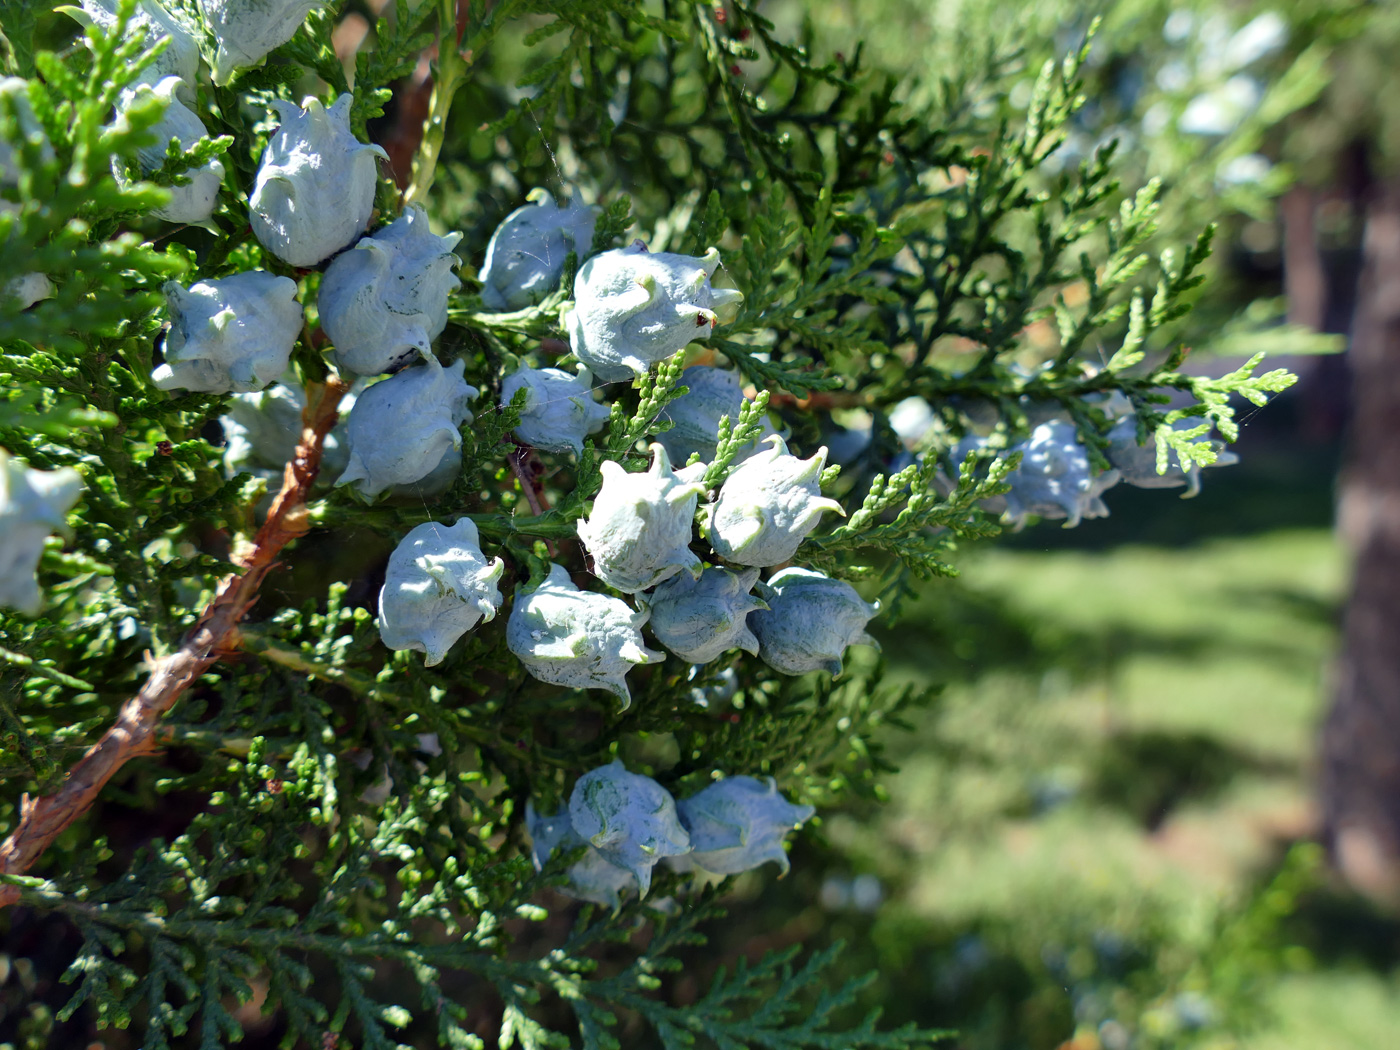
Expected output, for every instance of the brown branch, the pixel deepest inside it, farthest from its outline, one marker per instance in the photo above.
(412, 104)
(527, 471)
(523, 464)
(43, 819)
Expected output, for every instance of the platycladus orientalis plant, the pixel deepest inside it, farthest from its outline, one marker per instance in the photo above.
(611, 540)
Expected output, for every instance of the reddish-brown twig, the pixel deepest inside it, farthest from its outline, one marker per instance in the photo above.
(525, 468)
(527, 471)
(43, 819)
(523, 464)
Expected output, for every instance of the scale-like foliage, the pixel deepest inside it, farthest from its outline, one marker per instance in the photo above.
(348, 850)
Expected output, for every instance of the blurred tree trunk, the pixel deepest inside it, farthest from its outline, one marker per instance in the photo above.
(1360, 775)
(1305, 280)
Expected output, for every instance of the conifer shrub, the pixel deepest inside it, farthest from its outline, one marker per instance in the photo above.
(446, 699)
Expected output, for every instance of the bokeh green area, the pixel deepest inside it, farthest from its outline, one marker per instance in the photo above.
(1099, 833)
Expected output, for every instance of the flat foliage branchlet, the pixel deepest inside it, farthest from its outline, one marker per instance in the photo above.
(350, 851)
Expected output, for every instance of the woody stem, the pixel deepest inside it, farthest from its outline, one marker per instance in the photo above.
(42, 820)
